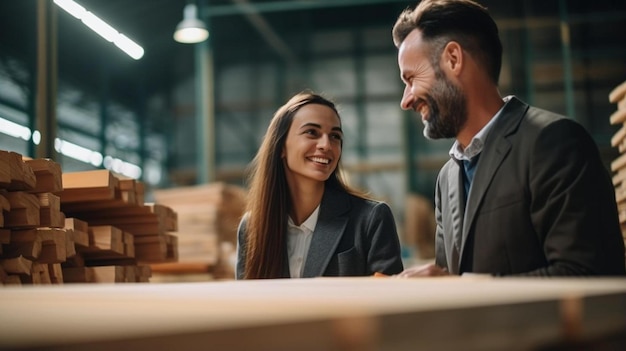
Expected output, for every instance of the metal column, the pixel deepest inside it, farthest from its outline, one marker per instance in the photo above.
(45, 102)
(205, 109)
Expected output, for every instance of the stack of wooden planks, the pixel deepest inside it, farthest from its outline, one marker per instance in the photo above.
(125, 231)
(77, 227)
(618, 96)
(33, 240)
(208, 217)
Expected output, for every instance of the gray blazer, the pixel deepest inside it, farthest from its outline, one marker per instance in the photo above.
(353, 237)
(542, 203)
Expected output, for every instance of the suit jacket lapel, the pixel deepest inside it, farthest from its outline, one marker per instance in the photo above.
(328, 232)
(496, 148)
(457, 208)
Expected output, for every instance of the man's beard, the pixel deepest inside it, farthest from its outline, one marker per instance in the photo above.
(447, 109)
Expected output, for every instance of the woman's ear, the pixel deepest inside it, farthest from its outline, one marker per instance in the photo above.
(452, 58)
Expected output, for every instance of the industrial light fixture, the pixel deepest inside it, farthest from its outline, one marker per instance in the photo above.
(103, 29)
(191, 29)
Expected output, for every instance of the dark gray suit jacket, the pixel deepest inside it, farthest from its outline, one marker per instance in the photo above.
(353, 237)
(541, 203)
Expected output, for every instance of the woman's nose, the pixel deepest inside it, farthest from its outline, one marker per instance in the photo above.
(323, 143)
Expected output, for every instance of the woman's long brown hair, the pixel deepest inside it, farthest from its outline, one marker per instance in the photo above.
(269, 199)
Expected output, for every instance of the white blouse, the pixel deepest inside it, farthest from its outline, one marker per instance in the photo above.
(299, 241)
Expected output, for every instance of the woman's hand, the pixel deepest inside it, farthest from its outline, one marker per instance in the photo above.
(427, 270)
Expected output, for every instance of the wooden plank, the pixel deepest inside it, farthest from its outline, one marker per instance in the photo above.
(105, 245)
(620, 195)
(140, 192)
(88, 186)
(23, 242)
(39, 275)
(622, 147)
(17, 265)
(3, 275)
(109, 274)
(180, 268)
(617, 93)
(49, 217)
(144, 272)
(74, 261)
(618, 163)
(24, 211)
(76, 224)
(49, 200)
(54, 245)
(22, 176)
(12, 280)
(129, 244)
(622, 104)
(5, 206)
(619, 136)
(127, 188)
(316, 314)
(70, 245)
(151, 249)
(78, 233)
(107, 237)
(618, 117)
(5, 236)
(205, 216)
(148, 219)
(50, 211)
(48, 174)
(5, 169)
(56, 273)
(100, 178)
(78, 275)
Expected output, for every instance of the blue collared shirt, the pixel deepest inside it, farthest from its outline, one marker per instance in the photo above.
(475, 147)
(476, 144)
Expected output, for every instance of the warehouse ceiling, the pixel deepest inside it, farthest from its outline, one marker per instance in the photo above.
(89, 62)
(99, 68)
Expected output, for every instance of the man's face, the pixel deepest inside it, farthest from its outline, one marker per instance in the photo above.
(428, 91)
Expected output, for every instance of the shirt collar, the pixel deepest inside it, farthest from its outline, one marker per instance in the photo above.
(309, 223)
(478, 141)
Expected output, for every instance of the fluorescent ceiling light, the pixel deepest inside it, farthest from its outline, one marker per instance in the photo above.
(191, 29)
(71, 7)
(13, 129)
(103, 29)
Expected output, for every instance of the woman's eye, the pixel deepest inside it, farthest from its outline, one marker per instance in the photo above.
(336, 137)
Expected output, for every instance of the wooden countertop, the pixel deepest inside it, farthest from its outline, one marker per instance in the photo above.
(450, 313)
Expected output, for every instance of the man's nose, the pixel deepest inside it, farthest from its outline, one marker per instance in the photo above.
(407, 99)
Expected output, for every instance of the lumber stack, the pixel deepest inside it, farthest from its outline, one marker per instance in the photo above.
(33, 240)
(618, 166)
(208, 217)
(123, 229)
(77, 227)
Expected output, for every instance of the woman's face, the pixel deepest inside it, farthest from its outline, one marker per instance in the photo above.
(313, 145)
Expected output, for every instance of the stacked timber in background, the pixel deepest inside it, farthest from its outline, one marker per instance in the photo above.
(77, 227)
(618, 96)
(208, 217)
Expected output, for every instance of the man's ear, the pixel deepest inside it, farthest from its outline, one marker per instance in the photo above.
(452, 58)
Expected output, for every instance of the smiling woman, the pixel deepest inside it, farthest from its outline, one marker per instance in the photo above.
(302, 219)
